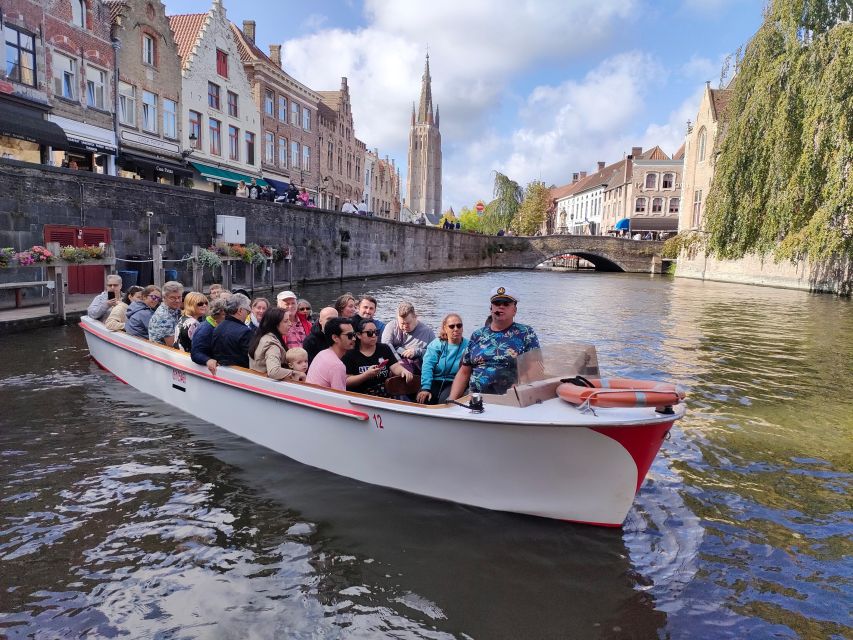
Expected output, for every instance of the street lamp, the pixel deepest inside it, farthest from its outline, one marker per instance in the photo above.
(186, 153)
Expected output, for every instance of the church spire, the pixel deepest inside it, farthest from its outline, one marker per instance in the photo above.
(425, 114)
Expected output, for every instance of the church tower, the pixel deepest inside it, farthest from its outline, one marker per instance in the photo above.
(424, 173)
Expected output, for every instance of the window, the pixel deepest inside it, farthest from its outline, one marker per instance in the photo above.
(282, 108)
(674, 205)
(667, 181)
(269, 148)
(306, 119)
(95, 83)
(213, 95)
(147, 49)
(657, 205)
(127, 104)
(232, 104)
(282, 153)
(250, 147)
(294, 154)
(233, 143)
(20, 57)
(78, 13)
(269, 103)
(703, 138)
(195, 129)
(651, 181)
(330, 155)
(222, 63)
(640, 206)
(170, 118)
(306, 158)
(64, 76)
(215, 128)
(294, 114)
(149, 111)
(697, 207)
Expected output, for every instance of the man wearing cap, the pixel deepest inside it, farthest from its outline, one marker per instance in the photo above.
(489, 363)
(296, 334)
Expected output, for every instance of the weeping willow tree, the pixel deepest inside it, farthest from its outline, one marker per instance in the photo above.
(782, 183)
(501, 211)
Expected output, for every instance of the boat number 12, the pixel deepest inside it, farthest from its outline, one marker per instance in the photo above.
(378, 420)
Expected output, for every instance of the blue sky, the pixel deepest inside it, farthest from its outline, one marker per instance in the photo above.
(534, 89)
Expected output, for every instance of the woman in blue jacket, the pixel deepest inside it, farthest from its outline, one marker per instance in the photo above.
(441, 361)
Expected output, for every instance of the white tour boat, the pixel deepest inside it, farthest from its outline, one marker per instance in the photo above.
(529, 451)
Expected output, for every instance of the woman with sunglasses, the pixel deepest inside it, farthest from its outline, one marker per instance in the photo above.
(441, 361)
(195, 310)
(368, 365)
(140, 311)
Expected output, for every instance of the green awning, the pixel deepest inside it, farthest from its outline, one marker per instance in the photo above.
(223, 176)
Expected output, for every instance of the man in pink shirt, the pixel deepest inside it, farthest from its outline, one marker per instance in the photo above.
(326, 369)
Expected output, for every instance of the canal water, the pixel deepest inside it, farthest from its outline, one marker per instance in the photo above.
(124, 517)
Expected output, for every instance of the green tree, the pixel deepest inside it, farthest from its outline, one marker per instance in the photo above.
(531, 213)
(500, 212)
(782, 182)
(469, 219)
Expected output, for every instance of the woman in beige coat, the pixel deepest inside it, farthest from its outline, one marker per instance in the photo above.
(267, 350)
(118, 316)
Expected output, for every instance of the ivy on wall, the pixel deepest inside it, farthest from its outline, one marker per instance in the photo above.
(782, 183)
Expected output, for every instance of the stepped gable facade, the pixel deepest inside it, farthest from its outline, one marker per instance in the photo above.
(221, 121)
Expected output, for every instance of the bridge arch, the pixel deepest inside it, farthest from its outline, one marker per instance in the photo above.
(600, 262)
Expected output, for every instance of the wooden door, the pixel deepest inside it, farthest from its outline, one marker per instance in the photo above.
(80, 279)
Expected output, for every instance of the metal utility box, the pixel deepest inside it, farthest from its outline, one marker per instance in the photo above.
(231, 229)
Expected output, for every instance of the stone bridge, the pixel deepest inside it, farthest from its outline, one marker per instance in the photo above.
(606, 253)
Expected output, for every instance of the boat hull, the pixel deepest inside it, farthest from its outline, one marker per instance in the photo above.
(501, 459)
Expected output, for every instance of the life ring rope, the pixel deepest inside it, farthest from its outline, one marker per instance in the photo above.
(619, 392)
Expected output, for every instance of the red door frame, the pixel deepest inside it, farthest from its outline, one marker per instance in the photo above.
(80, 279)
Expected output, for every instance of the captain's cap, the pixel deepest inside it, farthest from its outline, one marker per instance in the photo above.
(284, 295)
(502, 293)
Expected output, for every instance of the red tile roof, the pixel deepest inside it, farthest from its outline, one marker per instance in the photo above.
(115, 8)
(720, 99)
(332, 99)
(249, 51)
(679, 155)
(186, 28)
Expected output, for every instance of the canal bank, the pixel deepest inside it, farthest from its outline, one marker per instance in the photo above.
(126, 516)
(830, 276)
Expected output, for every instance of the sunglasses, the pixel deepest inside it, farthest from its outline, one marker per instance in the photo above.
(454, 326)
(202, 304)
(308, 309)
(153, 297)
(350, 335)
(370, 333)
(501, 303)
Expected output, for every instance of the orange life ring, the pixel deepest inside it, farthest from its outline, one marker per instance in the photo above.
(620, 392)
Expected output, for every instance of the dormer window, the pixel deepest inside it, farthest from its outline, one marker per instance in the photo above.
(222, 63)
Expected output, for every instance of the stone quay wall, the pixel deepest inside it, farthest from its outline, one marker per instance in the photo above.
(32, 196)
(831, 276)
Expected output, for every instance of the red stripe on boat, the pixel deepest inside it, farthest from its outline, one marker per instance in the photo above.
(641, 442)
(273, 394)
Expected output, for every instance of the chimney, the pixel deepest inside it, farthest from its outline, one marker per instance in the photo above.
(249, 30)
(574, 178)
(275, 54)
(600, 165)
(582, 175)
(636, 152)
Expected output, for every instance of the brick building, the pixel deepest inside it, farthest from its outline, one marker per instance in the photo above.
(381, 186)
(341, 154)
(25, 86)
(289, 147)
(221, 122)
(149, 101)
(59, 54)
(700, 156)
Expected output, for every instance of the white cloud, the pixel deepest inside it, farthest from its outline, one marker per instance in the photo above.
(478, 49)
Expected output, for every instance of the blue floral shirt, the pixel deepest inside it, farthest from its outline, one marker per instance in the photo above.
(162, 323)
(492, 356)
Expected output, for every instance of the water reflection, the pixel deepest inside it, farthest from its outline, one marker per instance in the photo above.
(120, 515)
